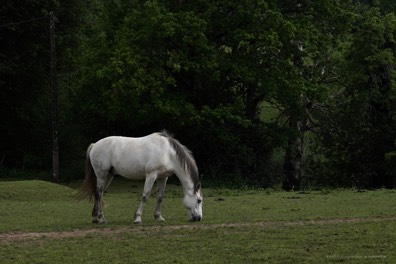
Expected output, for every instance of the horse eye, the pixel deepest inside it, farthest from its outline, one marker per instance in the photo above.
(199, 201)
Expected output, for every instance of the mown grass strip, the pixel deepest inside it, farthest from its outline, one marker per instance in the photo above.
(18, 236)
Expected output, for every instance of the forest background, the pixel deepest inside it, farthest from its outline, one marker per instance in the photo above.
(293, 93)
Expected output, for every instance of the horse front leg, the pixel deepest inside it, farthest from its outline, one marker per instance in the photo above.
(148, 185)
(161, 189)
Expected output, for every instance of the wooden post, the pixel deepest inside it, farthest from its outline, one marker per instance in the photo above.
(54, 103)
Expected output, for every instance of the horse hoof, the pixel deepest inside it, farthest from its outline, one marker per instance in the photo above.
(138, 220)
(97, 221)
(159, 218)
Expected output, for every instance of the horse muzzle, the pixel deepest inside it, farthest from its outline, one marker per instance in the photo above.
(196, 218)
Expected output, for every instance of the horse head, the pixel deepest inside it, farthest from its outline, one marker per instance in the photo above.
(193, 203)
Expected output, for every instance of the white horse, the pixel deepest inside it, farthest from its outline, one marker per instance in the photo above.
(154, 157)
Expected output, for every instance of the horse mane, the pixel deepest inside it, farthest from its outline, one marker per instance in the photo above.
(185, 158)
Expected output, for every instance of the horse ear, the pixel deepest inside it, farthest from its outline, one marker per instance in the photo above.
(198, 186)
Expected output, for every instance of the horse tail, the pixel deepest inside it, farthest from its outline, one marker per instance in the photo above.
(88, 187)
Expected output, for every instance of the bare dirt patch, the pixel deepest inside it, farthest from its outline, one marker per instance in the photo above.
(11, 237)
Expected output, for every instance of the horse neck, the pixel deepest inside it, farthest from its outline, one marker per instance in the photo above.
(186, 181)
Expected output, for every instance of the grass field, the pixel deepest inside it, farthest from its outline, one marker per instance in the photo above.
(40, 222)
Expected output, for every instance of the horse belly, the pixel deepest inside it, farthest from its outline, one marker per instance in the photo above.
(138, 169)
(130, 171)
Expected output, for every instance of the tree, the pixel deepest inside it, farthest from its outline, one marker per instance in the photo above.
(23, 69)
(204, 67)
(364, 127)
(25, 77)
(309, 71)
(192, 67)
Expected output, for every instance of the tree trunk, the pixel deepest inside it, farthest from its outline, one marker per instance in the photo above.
(293, 158)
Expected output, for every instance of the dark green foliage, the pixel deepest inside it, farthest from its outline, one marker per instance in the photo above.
(356, 147)
(165, 67)
(23, 70)
(203, 69)
(25, 76)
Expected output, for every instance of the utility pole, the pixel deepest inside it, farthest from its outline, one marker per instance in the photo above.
(54, 103)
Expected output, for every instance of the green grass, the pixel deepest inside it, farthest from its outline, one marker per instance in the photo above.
(268, 226)
(271, 244)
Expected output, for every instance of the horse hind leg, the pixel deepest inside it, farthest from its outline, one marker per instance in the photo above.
(109, 179)
(97, 211)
